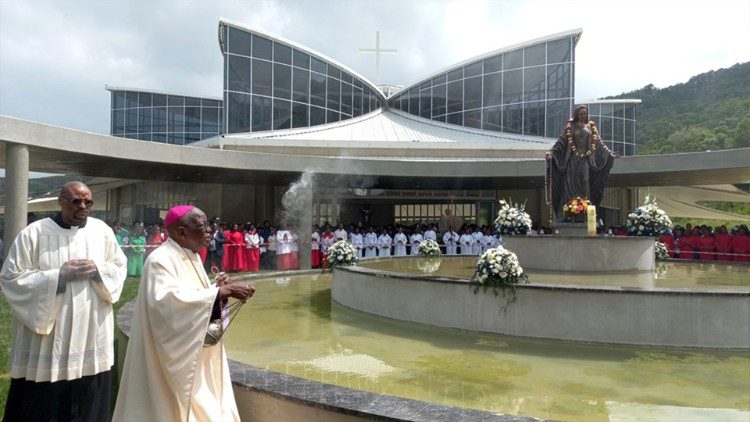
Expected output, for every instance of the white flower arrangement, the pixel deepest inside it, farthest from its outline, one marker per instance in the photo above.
(342, 253)
(512, 220)
(648, 220)
(430, 249)
(498, 269)
(660, 250)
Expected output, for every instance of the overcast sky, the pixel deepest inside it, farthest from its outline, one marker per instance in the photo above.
(56, 57)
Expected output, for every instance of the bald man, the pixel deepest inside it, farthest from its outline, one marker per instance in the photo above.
(61, 277)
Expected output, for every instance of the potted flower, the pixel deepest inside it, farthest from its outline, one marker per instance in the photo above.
(498, 270)
(575, 209)
(512, 220)
(648, 220)
(341, 254)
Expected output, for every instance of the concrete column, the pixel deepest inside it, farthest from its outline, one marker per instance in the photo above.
(16, 192)
(305, 230)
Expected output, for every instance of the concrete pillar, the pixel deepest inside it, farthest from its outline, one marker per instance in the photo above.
(16, 192)
(305, 230)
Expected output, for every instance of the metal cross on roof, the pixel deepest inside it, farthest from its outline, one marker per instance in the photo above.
(377, 50)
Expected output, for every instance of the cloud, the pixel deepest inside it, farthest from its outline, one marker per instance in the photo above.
(56, 57)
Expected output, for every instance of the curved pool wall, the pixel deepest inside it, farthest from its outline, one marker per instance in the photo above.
(619, 315)
(264, 395)
(583, 254)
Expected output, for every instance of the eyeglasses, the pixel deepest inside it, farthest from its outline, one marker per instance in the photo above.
(88, 203)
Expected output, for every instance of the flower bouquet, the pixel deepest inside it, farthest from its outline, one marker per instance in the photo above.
(512, 220)
(430, 249)
(498, 269)
(341, 254)
(648, 220)
(660, 250)
(575, 207)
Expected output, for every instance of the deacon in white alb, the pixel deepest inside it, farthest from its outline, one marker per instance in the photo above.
(371, 244)
(384, 244)
(399, 242)
(450, 239)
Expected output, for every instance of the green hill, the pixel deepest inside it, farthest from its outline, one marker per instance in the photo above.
(710, 111)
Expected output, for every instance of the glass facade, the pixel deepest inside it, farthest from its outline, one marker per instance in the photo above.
(157, 117)
(616, 123)
(528, 90)
(271, 85)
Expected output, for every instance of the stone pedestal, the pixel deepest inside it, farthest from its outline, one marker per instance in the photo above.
(572, 229)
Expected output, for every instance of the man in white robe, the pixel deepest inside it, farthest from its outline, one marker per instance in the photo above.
(399, 242)
(60, 278)
(371, 244)
(168, 374)
(430, 234)
(466, 240)
(384, 244)
(415, 240)
(358, 241)
(450, 239)
(340, 233)
(476, 248)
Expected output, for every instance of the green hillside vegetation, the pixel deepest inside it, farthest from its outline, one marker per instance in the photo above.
(45, 186)
(711, 111)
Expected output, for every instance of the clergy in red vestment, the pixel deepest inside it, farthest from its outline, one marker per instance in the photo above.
(707, 245)
(236, 241)
(741, 245)
(723, 244)
(252, 248)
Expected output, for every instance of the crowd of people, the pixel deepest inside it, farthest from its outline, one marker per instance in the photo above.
(246, 247)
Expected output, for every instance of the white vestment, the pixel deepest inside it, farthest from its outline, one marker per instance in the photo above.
(450, 239)
(358, 242)
(68, 335)
(488, 242)
(430, 235)
(399, 242)
(168, 375)
(476, 249)
(467, 242)
(371, 243)
(384, 245)
(340, 234)
(284, 239)
(415, 239)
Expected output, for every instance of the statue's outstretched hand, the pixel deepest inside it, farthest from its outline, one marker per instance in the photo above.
(615, 155)
(548, 156)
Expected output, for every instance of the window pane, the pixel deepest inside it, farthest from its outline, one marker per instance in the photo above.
(282, 53)
(425, 103)
(159, 137)
(473, 93)
(357, 102)
(238, 41)
(618, 130)
(439, 105)
(557, 114)
(282, 113)
(493, 89)
(512, 86)
(317, 116)
(513, 60)
(455, 97)
(192, 101)
(118, 122)
(333, 94)
(262, 47)
(175, 100)
(318, 65)
(176, 119)
(301, 85)
(238, 77)
(605, 128)
(629, 131)
(345, 77)
(414, 101)
(473, 118)
(440, 79)
(334, 71)
(238, 113)
(317, 89)
(299, 115)
(300, 59)
(558, 51)
(210, 120)
(192, 119)
(159, 119)
(131, 120)
(118, 98)
(474, 69)
(533, 118)
(346, 98)
(534, 55)
(332, 116)
(606, 110)
(534, 83)
(492, 119)
(159, 100)
(456, 119)
(144, 99)
(454, 75)
(144, 120)
(261, 77)
(558, 81)
(282, 81)
(630, 111)
(512, 118)
(131, 99)
(493, 64)
(261, 113)
(176, 138)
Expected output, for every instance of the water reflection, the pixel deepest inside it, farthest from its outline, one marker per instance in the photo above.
(296, 330)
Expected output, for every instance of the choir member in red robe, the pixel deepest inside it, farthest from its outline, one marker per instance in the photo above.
(685, 245)
(315, 248)
(741, 245)
(236, 241)
(252, 249)
(723, 244)
(707, 245)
